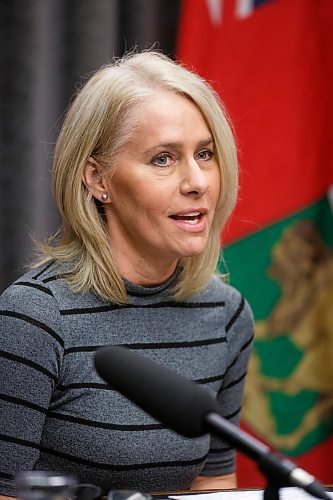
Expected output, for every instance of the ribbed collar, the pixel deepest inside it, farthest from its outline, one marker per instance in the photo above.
(142, 291)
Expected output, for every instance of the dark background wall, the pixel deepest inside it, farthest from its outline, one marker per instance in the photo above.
(46, 47)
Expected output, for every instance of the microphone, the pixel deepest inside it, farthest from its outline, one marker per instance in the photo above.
(191, 411)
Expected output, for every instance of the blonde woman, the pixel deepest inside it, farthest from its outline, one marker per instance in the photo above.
(145, 177)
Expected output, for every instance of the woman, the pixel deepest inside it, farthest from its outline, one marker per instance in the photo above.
(145, 176)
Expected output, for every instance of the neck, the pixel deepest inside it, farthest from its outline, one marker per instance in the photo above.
(144, 273)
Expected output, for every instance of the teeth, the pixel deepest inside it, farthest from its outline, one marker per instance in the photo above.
(189, 217)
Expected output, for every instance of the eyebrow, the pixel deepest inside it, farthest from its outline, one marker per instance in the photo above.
(178, 145)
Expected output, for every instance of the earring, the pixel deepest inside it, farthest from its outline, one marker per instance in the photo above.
(104, 196)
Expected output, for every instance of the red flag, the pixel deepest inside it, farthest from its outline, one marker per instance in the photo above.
(273, 67)
(272, 63)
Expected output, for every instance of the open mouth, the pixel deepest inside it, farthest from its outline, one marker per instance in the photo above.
(189, 217)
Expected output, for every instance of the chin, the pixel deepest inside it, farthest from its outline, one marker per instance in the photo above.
(194, 251)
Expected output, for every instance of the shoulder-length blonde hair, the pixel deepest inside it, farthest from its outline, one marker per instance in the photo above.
(98, 124)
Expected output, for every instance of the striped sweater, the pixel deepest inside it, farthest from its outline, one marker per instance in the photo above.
(57, 414)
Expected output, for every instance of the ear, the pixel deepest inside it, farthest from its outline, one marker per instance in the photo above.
(94, 181)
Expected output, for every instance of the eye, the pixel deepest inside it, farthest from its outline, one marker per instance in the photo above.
(205, 154)
(163, 160)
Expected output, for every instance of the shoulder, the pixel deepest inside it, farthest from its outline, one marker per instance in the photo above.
(46, 286)
(31, 286)
(217, 290)
(31, 324)
(238, 313)
(34, 307)
(30, 299)
(38, 294)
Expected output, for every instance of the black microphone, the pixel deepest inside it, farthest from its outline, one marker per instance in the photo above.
(191, 411)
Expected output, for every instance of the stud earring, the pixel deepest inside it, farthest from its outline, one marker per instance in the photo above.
(104, 196)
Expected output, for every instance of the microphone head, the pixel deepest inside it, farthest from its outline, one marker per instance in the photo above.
(176, 402)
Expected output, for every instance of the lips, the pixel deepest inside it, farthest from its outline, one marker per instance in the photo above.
(191, 217)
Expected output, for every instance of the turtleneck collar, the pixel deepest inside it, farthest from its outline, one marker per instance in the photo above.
(163, 289)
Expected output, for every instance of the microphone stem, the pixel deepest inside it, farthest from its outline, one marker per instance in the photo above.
(279, 471)
(235, 436)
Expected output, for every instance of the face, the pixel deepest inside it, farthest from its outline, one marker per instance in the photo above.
(165, 187)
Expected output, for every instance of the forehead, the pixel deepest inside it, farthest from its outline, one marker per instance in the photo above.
(168, 116)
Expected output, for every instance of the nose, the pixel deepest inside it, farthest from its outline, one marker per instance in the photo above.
(194, 180)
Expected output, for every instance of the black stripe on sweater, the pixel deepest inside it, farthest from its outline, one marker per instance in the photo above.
(34, 322)
(234, 382)
(5, 475)
(223, 449)
(159, 305)
(20, 442)
(243, 348)
(216, 462)
(149, 346)
(54, 278)
(235, 316)
(233, 414)
(34, 285)
(92, 385)
(27, 362)
(103, 425)
(43, 270)
(207, 380)
(98, 465)
(23, 402)
(123, 467)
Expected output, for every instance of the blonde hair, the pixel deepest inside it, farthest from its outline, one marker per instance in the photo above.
(98, 124)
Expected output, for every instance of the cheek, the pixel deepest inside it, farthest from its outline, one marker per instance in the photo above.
(138, 196)
(148, 200)
(215, 186)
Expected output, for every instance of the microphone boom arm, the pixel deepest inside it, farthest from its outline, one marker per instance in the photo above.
(278, 470)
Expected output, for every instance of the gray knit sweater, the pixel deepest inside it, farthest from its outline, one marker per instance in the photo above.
(57, 414)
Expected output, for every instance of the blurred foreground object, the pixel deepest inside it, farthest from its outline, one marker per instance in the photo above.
(42, 485)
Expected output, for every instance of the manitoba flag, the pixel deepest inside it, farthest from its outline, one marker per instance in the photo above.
(271, 61)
